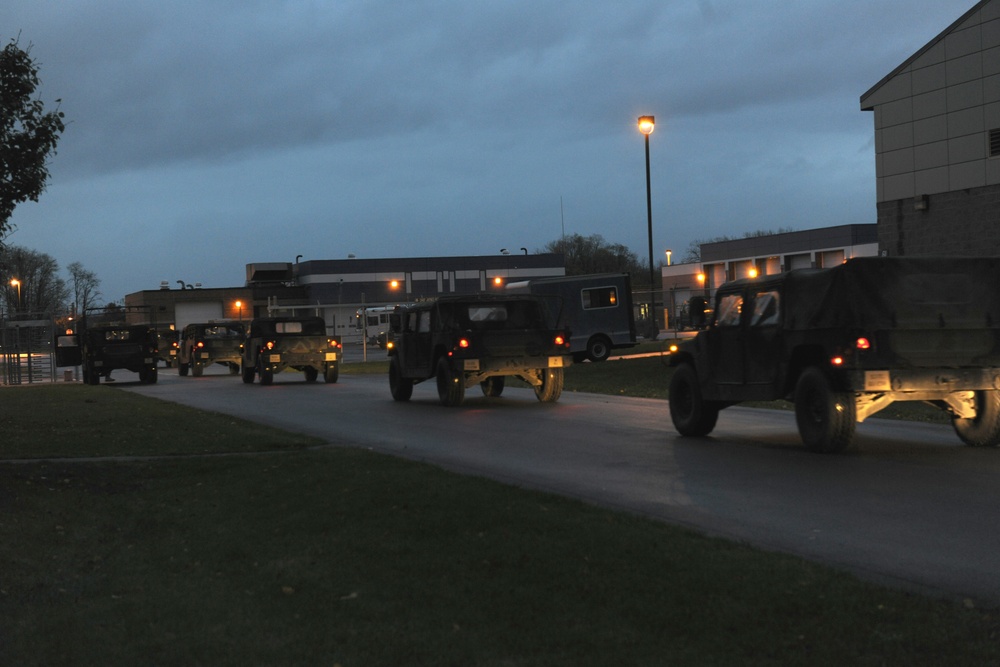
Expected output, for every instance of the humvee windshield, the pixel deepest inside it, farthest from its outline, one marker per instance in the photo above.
(510, 315)
(309, 327)
(223, 331)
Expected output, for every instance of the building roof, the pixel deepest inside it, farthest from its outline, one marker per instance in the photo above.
(865, 106)
(790, 242)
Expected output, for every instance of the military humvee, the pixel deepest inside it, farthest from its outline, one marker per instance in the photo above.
(463, 341)
(275, 344)
(109, 348)
(109, 340)
(845, 342)
(205, 343)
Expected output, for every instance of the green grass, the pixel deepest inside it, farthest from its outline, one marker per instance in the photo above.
(300, 555)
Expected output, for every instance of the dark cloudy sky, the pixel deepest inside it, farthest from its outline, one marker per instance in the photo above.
(205, 135)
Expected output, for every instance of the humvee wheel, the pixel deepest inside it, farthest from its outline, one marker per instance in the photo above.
(248, 374)
(692, 415)
(266, 375)
(234, 368)
(182, 369)
(826, 418)
(332, 372)
(492, 386)
(552, 385)
(598, 348)
(311, 373)
(400, 387)
(983, 430)
(451, 386)
(197, 370)
(147, 375)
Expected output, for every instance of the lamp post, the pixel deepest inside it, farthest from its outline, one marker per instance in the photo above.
(646, 125)
(14, 282)
(239, 304)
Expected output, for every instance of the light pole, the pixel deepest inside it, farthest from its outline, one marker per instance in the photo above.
(239, 304)
(646, 125)
(14, 282)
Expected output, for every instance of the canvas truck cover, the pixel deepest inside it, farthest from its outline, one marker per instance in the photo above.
(928, 310)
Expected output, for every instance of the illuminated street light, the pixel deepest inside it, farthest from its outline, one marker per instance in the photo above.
(239, 305)
(14, 282)
(646, 125)
(670, 254)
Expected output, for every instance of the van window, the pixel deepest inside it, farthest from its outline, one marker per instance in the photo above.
(599, 297)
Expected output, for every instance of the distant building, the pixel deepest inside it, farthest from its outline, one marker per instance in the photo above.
(937, 142)
(337, 289)
(722, 261)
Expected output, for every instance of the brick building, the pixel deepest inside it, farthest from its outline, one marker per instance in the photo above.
(937, 142)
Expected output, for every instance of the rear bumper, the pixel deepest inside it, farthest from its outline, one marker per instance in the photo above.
(944, 380)
(510, 365)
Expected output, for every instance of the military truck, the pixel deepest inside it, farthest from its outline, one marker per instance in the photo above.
(845, 342)
(205, 343)
(166, 343)
(107, 340)
(462, 341)
(275, 344)
(109, 348)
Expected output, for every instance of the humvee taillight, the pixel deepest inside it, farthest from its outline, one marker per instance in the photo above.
(463, 342)
(863, 343)
(560, 341)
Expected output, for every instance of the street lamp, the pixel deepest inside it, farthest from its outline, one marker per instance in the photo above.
(239, 305)
(14, 282)
(646, 125)
(670, 254)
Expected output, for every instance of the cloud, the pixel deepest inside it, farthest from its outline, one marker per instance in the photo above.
(221, 133)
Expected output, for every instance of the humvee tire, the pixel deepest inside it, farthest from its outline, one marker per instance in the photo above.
(825, 417)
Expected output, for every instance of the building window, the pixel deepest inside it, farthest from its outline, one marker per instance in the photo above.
(995, 142)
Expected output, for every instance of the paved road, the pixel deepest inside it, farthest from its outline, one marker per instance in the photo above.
(911, 507)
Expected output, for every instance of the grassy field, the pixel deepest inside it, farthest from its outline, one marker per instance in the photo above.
(199, 539)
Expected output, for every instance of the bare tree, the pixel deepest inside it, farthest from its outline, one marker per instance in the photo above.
(38, 289)
(592, 254)
(83, 284)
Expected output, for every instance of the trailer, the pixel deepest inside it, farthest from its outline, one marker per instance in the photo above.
(596, 309)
